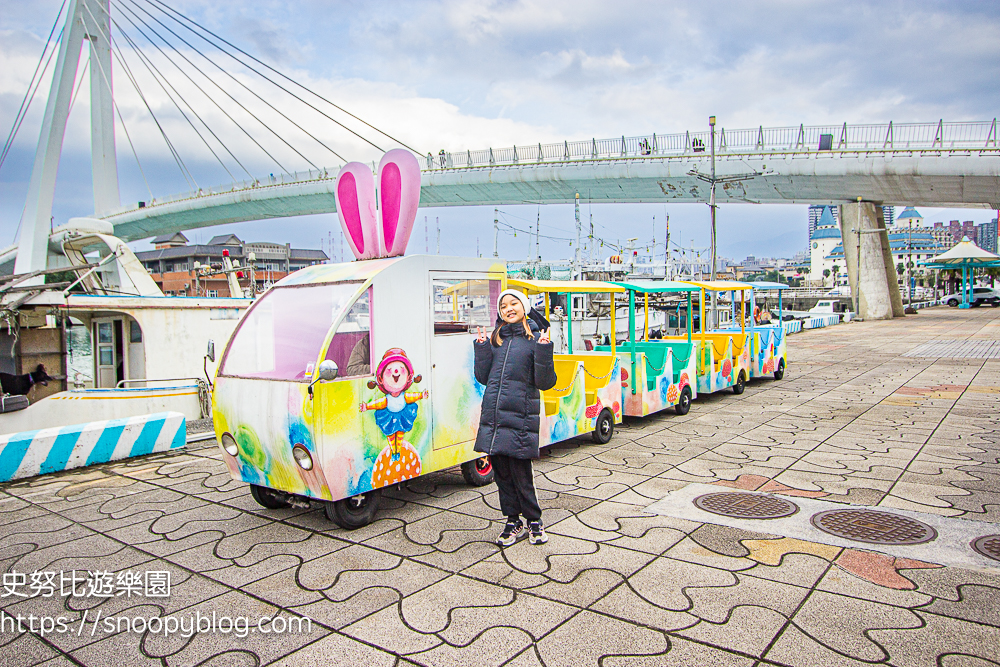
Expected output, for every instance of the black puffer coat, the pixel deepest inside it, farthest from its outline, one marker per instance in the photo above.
(513, 374)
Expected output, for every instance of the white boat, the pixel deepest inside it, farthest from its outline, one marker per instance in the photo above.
(149, 353)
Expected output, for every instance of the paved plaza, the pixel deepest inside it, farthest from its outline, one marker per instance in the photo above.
(635, 573)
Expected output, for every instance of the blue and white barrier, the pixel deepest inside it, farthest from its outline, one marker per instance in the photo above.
(821, 321)
(793, 326)
(31, 453)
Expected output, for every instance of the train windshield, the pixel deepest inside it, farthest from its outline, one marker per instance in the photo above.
(281, 336)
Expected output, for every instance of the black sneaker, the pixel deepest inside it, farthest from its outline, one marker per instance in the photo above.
(512, 532)
(537, 533)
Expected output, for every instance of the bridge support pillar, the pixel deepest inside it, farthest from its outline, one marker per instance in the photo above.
(870, 270)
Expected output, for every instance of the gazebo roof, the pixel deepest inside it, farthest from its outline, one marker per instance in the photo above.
(966, 253)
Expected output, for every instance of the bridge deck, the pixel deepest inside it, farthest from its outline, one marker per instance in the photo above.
(896, 415)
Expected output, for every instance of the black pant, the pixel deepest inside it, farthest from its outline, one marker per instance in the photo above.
(516, 485)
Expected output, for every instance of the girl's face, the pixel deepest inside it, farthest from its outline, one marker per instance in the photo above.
(511, 309)
(394, 377)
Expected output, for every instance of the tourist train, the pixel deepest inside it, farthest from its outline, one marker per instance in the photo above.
(344, 379)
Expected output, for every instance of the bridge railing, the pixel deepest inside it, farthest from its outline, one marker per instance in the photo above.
(814, 139)
(940, 136)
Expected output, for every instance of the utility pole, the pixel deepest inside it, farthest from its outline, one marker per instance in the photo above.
(538, 255)
(496, 213)
(576, 250)
(437, 223)
(666, 252)
(590, 243)
(711, 201)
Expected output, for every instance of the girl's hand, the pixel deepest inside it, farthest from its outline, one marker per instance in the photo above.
(481, 338)
(364, 406)
(543, 338)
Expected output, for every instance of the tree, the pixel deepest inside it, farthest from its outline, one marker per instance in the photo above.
(836, 273)
(826, 274)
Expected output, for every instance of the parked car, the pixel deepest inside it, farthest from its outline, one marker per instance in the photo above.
(980, 296)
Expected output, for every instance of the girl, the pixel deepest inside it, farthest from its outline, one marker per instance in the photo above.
(514, 364)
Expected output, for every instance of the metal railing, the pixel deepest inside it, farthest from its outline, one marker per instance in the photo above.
(902, 137)
(939, 137)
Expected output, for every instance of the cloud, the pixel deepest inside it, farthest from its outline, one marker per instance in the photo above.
(467, 74)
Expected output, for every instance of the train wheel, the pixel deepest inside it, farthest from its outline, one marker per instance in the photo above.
(779, 372)
(605, 427)
(741, 383)
(268, 498)
(353, 512)
(478, 472)
(684, 404)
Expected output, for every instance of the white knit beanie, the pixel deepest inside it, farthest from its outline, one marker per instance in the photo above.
(520, 296)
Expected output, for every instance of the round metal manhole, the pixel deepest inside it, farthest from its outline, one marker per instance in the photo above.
(873, 527)
(746, 505)
(988, 545)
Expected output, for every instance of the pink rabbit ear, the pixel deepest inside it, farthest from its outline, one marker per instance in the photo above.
(399, 192)
(355, 194)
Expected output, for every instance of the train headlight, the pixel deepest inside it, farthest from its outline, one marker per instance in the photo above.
(302, 457)
(229, 444)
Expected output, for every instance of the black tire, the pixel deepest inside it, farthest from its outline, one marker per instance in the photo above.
(267, 498)
(478, 472)
(353, 512)
(779, 372)
(684, 404)
(741, 384)
(952, 303)
(995, 304)
(605, 427)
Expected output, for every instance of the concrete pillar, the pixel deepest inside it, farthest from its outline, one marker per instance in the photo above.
(868, 262)
(895, 298)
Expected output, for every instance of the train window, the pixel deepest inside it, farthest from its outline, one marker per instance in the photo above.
(350, 347)
(461, 305)
(283, 333)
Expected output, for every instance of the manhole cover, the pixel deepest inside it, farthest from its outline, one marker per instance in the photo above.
(746, 505)
(989, 546)
(873, 527)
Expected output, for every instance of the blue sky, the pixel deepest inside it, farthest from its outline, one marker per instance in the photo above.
(471, 74)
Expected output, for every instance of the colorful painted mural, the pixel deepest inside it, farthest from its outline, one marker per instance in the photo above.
(586, 385)
(661, 374)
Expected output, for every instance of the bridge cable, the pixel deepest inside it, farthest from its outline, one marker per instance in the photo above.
(243, 85)
(207, 127)
(33, 85)
(238, 125)
(173, 151)
(149, 64)
(224, 91)
(79, 85)
(280, 74)
(150, 68)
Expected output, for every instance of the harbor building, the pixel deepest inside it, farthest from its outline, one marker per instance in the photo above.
(172, 262)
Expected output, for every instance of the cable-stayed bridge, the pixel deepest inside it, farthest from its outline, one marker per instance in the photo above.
(938, 164)
(192, 95)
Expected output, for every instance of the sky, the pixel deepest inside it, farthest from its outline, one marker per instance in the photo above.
(472, 74)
